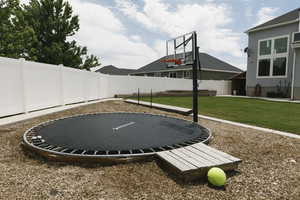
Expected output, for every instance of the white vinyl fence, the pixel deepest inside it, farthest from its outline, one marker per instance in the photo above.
(27, 86)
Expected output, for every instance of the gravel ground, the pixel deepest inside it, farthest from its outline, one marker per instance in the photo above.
(270, 167)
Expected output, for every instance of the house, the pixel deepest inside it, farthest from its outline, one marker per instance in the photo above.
(273, 66)
(112, 70)
(211, 69)
(238, 84)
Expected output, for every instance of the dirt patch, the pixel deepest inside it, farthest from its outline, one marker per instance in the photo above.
(270, 167)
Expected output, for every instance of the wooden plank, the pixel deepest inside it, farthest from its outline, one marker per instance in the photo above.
(211, 153)
(223, 153)
(173, 161)
(178, 158)
(188, 158)
(207, 156)
(195, 156)
(232, 158)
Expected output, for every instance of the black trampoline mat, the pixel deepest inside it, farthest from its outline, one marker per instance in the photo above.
(118, 131)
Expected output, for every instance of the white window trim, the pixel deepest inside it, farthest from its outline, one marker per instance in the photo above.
(186, 74)
(272, 56)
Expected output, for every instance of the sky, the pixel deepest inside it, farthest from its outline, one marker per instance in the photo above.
(132, 33)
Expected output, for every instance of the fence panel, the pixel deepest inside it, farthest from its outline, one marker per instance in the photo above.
(73, 85)
(103, 86)
(91, 86)
(42, 85)
(222, 87)
(11, 87)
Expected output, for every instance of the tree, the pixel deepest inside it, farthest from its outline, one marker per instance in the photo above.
(41, 31)
(15, 38)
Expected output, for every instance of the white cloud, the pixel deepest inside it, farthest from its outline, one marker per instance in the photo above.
(209, 20)
(265, 14)
(249, 12)
(105, 36)
(136, 38)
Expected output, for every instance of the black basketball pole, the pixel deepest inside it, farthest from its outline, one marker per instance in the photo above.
(195, 79)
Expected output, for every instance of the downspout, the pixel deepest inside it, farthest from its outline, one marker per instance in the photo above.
(293, 75)
(294, 64)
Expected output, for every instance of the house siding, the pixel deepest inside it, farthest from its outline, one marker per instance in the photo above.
(268, 84)
(210, 75)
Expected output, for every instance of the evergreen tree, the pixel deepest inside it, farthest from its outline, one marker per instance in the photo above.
(41, 31)
(54, 23)
(15, 38)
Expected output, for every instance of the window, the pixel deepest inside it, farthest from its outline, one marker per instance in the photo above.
(157, 74)
(187, 74)
(172, 75)
(272, 57)
(279, 66)
(265, 47)
(280, 45)
(264, 67)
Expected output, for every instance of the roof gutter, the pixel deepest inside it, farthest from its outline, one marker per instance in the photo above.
(272, 26)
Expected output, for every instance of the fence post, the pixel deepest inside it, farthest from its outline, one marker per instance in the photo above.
(151, 98)
(84, 87)
(23, 82)
(98, 87)
(138, 96)
(61, 85)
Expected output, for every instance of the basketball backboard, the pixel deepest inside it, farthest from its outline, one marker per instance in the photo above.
(181, 50)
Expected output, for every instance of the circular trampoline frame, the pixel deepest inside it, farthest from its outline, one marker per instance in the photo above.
(58, 154)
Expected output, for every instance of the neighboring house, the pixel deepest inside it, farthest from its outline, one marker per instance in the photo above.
(238, 84)
(211, 69)
(273, 67)
(112, 70)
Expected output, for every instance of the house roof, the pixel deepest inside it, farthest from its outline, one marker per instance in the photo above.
(291, 16)
(112, 70)
(208, 62)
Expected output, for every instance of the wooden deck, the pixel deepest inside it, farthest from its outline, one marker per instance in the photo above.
(194, 161)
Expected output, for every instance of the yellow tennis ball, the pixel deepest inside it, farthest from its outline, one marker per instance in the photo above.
(216, 176)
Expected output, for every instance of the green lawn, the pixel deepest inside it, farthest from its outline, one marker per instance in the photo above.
(274, 115)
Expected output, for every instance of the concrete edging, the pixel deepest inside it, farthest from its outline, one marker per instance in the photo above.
(262, 98)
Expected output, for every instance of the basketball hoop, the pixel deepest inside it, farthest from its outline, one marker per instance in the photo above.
(176, 61)
(183, 50)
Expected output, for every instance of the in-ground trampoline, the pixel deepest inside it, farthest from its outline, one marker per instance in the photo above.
(113, 136)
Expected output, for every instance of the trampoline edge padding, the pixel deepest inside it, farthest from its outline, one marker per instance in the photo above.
(34, 141)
